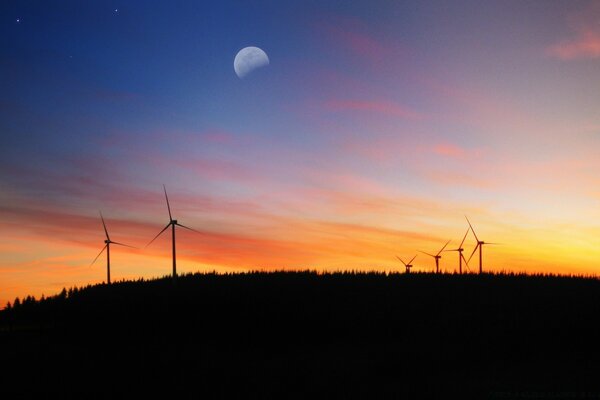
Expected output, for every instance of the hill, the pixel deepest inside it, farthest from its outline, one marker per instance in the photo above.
(305, 335)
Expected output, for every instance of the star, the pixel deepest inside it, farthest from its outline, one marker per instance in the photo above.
(18, 20)
(116, 10)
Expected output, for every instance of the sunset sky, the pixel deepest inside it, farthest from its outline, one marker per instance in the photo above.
(376, 127)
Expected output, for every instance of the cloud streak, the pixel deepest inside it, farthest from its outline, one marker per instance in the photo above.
(585, 41)
(585, 46)
(351, 34)
(378, 107)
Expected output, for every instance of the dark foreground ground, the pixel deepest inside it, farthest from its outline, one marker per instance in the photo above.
(303, 335)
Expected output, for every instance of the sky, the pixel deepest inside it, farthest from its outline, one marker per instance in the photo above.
(375, 128)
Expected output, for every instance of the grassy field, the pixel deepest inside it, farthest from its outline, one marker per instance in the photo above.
(305, 335)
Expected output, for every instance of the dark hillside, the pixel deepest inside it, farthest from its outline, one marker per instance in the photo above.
(305, 335)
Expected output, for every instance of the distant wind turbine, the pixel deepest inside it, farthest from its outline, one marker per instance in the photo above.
(437, 257)
(479, 245)
(460, 250)
(107, 248)
(408, 265)
(172, 223)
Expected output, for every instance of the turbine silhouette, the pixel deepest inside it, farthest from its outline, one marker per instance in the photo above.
(437, 257)
(172, 223)
(408, 265)
(106, 247)
(480, 244)
(460, 253)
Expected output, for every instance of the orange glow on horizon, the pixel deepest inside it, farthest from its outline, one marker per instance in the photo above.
(282, 243)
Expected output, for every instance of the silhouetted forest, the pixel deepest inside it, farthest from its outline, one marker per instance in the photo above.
(305, 335)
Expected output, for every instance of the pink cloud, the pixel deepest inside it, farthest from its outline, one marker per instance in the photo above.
(585, 42)
(449, 150)
(343, 194)
(350, 34)
(456, 152)
(449, 178)
(359, 43)
(216, 169)
(585, 45)
(380, 107)
(474, 106)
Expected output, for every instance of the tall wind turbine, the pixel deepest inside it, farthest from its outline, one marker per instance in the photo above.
(172, 223)
(479, 245)
(408, 265)
(437, 257)
(107, 248)
(460, 253)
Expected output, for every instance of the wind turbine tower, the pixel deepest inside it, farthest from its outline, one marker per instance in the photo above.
(106, 247)
(437, 257)
(460, 253)
(480, 244)
(172, 223)
(408, 265)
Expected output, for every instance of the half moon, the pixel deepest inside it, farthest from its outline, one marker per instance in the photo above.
(248, 59)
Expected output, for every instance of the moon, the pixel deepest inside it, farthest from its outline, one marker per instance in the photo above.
(248, 59)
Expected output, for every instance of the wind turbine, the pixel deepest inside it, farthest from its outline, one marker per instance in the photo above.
(107, 248)
(407, 265)
(172, 223)
(479, 245)
(437, 257)
(460, 253)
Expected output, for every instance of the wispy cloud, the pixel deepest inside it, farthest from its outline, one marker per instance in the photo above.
(449, 150)
(459, 179)
(586, 45)
(377, 106)
(352, 35)
(585, 40)
(456, 152)
(215, 169)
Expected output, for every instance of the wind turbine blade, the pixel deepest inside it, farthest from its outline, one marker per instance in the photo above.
(159, 233)
(472, 230)
(126, 245)
(494, 243)
(99, 254)
(104, 225)
(168, 205)
(431, 255)
(443, 248)
(187, 227)
(464, 259)
(401, 260)
(413, 259)
(474, 250)
(466, 263)
(463, 241)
